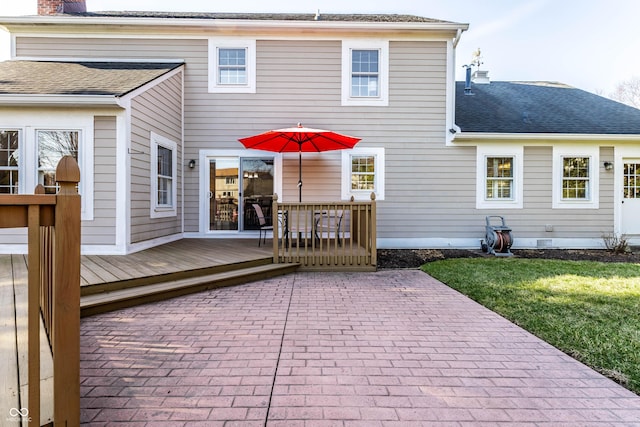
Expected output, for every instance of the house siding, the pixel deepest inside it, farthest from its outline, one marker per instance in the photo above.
(102, 229)
(300, 81)
(157, 110)
(430, 187)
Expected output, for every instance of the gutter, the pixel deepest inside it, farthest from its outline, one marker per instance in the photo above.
(456, 40)
(59, 100)
(461, 137)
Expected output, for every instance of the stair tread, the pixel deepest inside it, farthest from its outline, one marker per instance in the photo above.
(138, 291)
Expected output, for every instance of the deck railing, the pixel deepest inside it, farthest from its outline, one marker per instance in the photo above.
(325, 235)
(53, 223)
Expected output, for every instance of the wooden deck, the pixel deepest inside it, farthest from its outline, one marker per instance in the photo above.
(13, 346)
(178, 256)
(187, 256)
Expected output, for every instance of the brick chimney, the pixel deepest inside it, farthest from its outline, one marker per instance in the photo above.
(53, 7)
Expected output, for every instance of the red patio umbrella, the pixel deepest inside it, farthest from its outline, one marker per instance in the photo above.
(299, 139)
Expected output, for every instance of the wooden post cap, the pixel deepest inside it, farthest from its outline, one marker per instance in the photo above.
(68, 170)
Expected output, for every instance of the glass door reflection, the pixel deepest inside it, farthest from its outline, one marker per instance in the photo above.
(257, 188)
(224, 193)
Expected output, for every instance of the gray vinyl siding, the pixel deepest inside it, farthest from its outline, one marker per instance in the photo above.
(300, 81)
(430, 187)
(157, 110)
(102, 230)
(537, 209)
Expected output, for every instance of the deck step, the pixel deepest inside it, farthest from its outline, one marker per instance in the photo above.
(128, 297)
(145, 280)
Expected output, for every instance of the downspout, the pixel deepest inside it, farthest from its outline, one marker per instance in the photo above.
(456, 40)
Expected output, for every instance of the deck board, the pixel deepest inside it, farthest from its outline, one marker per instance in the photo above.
(20, 281)
(9, 381)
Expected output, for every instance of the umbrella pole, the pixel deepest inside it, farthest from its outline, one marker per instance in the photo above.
(300, 176)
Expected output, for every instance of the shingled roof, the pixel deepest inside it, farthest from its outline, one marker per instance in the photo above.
(267, 16)
(541, 107)
(78, 78)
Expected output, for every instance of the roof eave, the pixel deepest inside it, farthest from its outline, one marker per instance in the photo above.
(231, 23)
(28, 100)
(502, 137)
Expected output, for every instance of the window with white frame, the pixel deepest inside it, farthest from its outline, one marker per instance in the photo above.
(363, 173)
(499, 179)
(575, 177)
(42, 139)
(365, 72)
(232, 65)
(164, 168)
(9, 161)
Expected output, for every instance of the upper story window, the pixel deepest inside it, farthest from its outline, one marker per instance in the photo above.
(232, 65)
(499, 180)
(164, 169)
(363, 173)
(9, 161)
(575, 177)
(365, 72)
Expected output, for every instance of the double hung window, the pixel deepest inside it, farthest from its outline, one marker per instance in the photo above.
(365, 72)
(499, 180)
(232, 65)
(575, 177)
(363, 173)
(163, 177)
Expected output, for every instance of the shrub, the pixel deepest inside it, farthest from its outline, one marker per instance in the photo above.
(616, 243)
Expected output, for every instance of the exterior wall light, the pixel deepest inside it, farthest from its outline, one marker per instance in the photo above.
(192, 164)
(608, 166)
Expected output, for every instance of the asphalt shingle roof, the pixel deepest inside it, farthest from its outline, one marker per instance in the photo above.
(78, 78)
(266, 16)
(541, 107)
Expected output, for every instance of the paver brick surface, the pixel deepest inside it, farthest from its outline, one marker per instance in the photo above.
(392, 348)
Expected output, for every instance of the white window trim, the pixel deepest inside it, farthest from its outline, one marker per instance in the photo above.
(155, 210)
(379, 167)
(232, 43)
(381, 45)
(482, 153)
(594, 177)
(50, 120)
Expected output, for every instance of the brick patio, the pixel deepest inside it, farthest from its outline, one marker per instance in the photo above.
(392, 348)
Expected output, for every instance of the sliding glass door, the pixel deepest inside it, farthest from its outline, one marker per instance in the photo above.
(235, 185)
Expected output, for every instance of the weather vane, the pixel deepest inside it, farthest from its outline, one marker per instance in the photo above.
(476, 58)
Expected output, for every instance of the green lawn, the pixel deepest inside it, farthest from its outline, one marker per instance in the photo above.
(589, 310)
